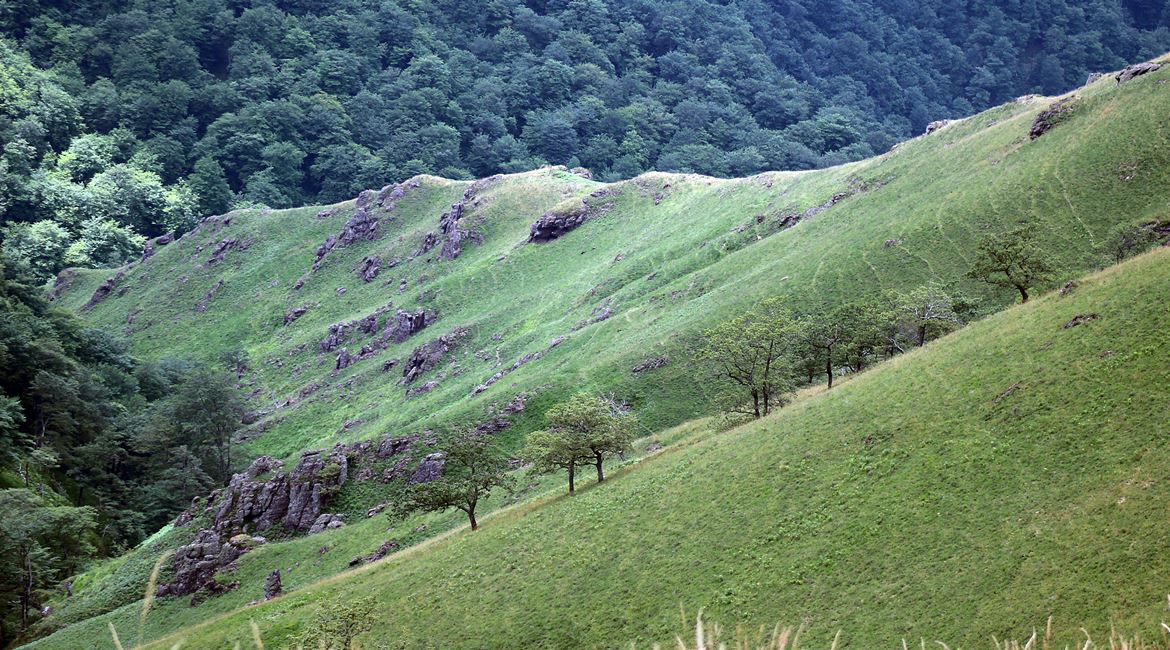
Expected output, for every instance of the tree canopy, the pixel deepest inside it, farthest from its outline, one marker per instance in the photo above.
(149, 115)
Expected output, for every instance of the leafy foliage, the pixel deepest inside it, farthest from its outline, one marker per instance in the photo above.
(1012, 260)
(150, 115)
(471, 470)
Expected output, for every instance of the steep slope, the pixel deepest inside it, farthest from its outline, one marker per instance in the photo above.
(1013, 470)
(664, 256)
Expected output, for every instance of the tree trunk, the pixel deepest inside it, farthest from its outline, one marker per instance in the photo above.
(471, 518)
(921, 335)
(756, 403)
(1023, 293)
(829, 366)
(600, 472)
(571, 468)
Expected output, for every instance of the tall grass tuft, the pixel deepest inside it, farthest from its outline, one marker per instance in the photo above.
(709, 636)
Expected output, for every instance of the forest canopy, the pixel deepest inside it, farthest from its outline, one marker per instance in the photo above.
(121, 120)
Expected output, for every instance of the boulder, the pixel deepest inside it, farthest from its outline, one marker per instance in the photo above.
(293, 314)
(935, 126)
(327, 521)
(429, 469)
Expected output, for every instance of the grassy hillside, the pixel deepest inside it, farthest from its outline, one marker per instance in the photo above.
(1013, 470)
(672, 255)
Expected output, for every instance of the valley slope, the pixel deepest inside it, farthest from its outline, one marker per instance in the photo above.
(661, 257)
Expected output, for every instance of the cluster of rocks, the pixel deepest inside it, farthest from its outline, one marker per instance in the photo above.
(369, 267)
(219, 253)
(263, 496)
(293, 314)
(1051, 116)
(363, 225)
(1137, 70)
(555, 224)
(936, 125)
(104, 290)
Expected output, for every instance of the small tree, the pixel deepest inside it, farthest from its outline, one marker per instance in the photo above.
(754, 352)
(1012, 259)
(1127, 240)
(830, 332)
(551, 451)
(338, 623)
(928, 311)
(602, 428)
(471, 470)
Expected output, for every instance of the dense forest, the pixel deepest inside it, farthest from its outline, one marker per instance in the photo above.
(125, 119)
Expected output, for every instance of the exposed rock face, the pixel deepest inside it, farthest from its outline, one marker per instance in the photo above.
(196, 564)
(368, 268)
(452, 235)
(272, 587)
(428, 355)
(339, 333)
(1137, 70)
(419, 390)
(344, 359)
(1051, 116)
(405, 324)
(555, 224)
(104, 290)
(582, 172)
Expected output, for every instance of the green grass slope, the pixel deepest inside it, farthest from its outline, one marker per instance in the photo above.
(674, 254)
(1013, 470)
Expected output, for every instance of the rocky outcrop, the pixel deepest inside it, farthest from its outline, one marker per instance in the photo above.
(104, 290)
(936, 125)
(555, 224)
(1048, 118)
(344, 359)
(363, 225)
(152, 245)
(387, 547)
(368, 268)
(293, 314)
(428, 355)
(196, 564)
(582, 172)
(1136, 70)
(340, 333)
(272, 586)
(651, 364)
(404, 324)
(429, 469)
(449, 222)
(219, 253)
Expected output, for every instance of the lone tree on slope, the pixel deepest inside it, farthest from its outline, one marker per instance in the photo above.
(1012, 259)
(471, 470)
